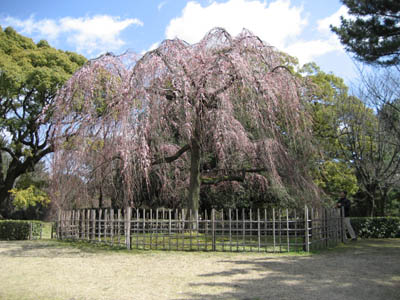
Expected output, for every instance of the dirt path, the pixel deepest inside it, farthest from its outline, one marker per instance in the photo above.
(39, 270)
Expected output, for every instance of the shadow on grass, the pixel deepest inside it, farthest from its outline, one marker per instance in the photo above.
(367, 269)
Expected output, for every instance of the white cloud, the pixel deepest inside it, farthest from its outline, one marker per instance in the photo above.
(324, 24)
(276, 23)
(161, 5)
(99, 33)
(306, 51)
(47, 28)
(279, 23)
(88, 35)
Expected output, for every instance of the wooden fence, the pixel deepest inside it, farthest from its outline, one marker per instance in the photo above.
(273, 230)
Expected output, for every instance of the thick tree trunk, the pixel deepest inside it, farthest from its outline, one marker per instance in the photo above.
(7, 184)
(5, 211)
(195, 179)
(16, 169)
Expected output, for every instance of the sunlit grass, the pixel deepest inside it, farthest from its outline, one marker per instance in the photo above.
(200, 242)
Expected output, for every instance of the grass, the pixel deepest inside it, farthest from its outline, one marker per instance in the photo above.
(60, 270)
(46, 230)
(201, 242)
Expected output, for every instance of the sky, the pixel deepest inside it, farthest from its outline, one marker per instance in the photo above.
(298, 27)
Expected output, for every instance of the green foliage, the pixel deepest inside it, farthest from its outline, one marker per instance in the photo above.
(18, 230)
(336, 176)
(358, 149)
(31, 196)
(374, 34)
(28, 198)
(332, 172)
(30, 76)
(381, 227)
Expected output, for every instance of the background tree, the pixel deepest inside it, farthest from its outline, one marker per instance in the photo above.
(374, 34)
(29, 78)
(332, 171)
(380, 91)
(182, 117)
(357, 139)
(366, 141)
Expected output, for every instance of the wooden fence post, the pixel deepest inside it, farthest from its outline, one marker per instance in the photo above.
(213, 229)
(112, 225)
(88, 224)
(343, 229)
(237, 230)
(58, 225)
(137, 227)
(326, 228)
(169, 229)
(307, 230)
(118, 225)
(83, 224)
(274, 228)
(258, 229)
(128, 213)
(230, 229)
(251, 231)
(222, 229)
(287, 230)
(99, 229)
(93, 224)
(295, 229)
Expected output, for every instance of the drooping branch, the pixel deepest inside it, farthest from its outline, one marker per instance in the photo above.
(216, 180)
(171, 158)
(281, 67)
(240, 178)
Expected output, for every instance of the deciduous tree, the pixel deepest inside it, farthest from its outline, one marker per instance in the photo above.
(30, 75)
(183, 116)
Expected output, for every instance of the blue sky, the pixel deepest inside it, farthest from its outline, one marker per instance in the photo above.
(298, 27)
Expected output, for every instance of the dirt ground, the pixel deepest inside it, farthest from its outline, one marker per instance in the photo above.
(38, 270)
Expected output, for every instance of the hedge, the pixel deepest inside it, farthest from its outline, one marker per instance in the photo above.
(19, 230)
(378, 227)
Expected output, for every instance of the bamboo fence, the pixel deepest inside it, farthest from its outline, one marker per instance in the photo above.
(260, 230)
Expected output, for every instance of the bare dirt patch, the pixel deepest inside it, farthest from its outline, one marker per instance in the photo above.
(367, 269)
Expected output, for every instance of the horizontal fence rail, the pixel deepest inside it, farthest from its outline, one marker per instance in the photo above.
(261, 230)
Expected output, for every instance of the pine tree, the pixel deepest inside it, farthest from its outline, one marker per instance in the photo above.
(374, 35)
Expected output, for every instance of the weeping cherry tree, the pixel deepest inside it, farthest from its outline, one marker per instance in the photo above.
(222, 111)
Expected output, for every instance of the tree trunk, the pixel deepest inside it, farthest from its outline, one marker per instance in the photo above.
(101, 197)
(5, 203)
(16, 169)
(195, 179)
(6, 185)
(382, 203)
(372, 207)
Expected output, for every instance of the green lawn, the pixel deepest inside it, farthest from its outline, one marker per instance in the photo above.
(202, 242)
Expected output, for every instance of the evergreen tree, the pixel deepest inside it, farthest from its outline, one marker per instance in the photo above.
(374, 35)
(30, 75)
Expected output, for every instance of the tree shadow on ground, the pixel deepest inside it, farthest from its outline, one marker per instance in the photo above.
(367, 269)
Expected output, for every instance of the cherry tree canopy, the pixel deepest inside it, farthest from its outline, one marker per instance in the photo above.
(222, 111)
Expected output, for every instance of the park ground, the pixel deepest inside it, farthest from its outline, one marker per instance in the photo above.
(51, 270)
